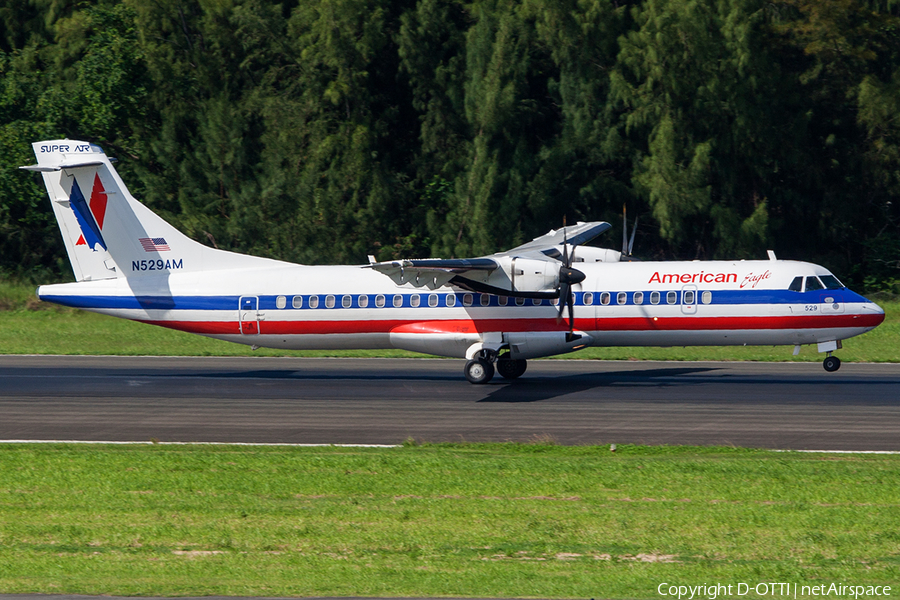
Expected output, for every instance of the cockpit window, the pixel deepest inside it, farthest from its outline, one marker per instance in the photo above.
(813, 283)
(831, 282)
(796, 285)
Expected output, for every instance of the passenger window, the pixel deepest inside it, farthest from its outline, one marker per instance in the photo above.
(414, 300)
(379, 301)
(813, 283)
(347, 301)
(588, 298)
(706, 297)
(796, 285)
(520, 301)
(398, 300)
(280, 302)
(485, 299)
(329, 301)
(831, 282)
(689, 297)
(432, 300)
(451, 299)
(654, 297)
(671, 297)
(536, 301)
(297, 302)
(502, 300)
(363, 301)
(554, 301)
(604, 298)
(314, 302)
(621, 298)
(639, 297)
(467, 299)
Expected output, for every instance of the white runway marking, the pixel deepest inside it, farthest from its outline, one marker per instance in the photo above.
(114, 443)
(133, 443)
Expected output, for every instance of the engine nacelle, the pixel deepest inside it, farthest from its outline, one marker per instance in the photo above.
(528, 275)
(591, 254)
(517, 276)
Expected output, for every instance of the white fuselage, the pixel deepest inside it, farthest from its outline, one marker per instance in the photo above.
(618, 304)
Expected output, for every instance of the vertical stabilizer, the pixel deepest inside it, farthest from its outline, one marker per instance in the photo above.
(108, 234)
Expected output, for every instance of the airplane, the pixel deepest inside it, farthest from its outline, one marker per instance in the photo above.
(550, 296)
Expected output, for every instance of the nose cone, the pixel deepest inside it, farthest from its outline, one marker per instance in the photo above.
(879, 312)
(871, 314)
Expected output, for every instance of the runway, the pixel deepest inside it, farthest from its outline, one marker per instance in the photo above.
(385, 401)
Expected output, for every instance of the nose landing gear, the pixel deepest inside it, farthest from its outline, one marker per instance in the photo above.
(831, 363)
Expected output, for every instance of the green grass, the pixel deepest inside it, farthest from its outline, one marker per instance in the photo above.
(28, 326)
(493, 520)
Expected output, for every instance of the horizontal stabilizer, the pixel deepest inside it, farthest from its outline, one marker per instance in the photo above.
(60, 167)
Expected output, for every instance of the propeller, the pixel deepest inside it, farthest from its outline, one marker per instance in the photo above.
(627, 243)
(567, 278)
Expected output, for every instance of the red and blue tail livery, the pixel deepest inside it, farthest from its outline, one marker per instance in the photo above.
(550, 296)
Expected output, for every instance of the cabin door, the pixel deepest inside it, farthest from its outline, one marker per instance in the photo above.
(248, 315)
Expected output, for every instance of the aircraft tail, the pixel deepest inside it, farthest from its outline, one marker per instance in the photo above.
(107, 233)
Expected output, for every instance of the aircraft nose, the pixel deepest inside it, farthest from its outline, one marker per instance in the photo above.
(878, 311)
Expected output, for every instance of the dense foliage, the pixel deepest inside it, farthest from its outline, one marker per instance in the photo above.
(324, 130)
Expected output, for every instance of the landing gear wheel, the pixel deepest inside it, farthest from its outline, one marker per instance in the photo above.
(479, 370)
(511, 368)
(832, 364)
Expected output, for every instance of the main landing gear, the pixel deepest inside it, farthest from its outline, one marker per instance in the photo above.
(831, 363)
(481, 368)
(511, 368)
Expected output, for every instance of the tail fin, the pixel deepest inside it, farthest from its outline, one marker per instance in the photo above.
(108, 234)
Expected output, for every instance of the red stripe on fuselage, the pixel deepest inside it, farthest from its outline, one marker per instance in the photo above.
(687, 323)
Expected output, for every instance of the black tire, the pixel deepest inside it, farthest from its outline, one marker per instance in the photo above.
(511, 368)
(832, 364)
(479, 371)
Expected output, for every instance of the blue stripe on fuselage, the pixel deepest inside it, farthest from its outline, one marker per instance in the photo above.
(147, 302)
(719, 297)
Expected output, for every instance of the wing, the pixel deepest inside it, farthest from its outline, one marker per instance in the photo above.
(574, 235)
(530, 270)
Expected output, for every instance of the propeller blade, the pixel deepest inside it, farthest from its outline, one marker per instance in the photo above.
(567, 278)
(563, 293)
(633, 232)
(624, 231)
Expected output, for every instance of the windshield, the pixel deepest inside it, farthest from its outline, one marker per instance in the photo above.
(831, 282)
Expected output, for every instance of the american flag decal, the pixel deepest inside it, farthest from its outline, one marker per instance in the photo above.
(154, 244)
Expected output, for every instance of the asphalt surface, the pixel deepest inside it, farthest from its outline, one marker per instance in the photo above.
(385, 401)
